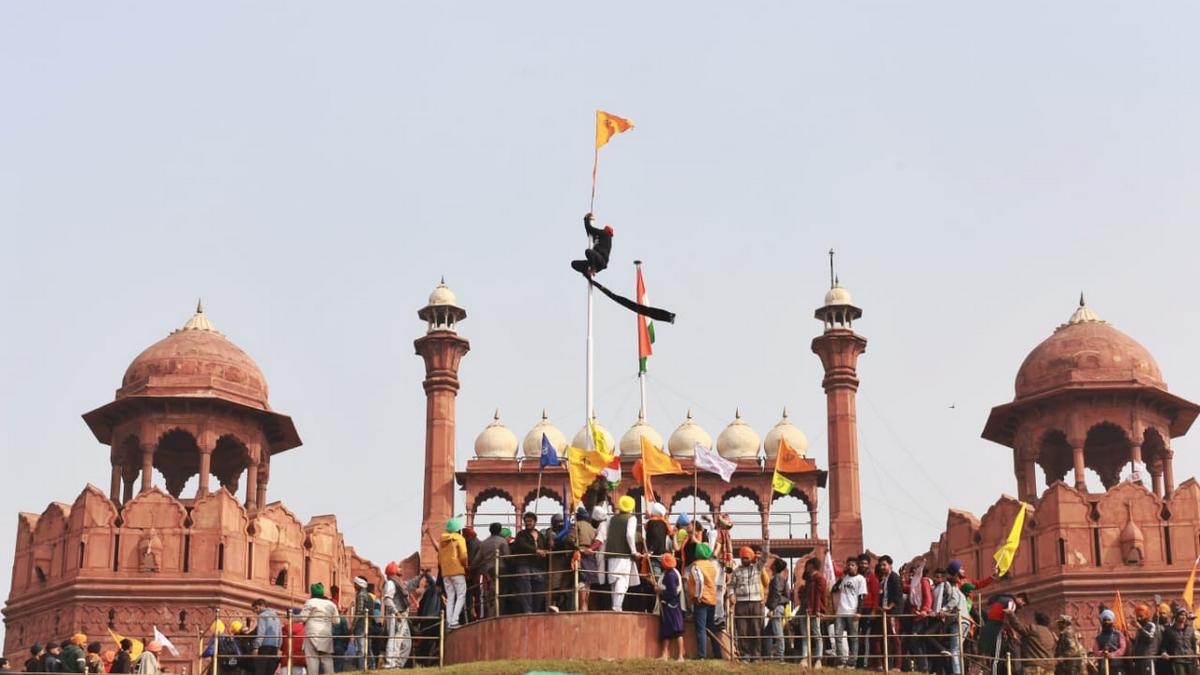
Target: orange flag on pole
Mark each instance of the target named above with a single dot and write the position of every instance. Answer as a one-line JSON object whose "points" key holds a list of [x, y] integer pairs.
{"points": [[788, 460], [1119, 610], [654, 462], [609, 125]]}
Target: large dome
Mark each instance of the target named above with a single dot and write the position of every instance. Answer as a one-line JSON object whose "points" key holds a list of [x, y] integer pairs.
{"points": [[683, 440], [533, 440], [631, 442], [738, 440], [198, 361], [496, 440], [1084, 351], [789, 432]]}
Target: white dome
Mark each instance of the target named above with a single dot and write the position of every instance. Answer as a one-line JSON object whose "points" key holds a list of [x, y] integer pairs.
{"points": [[631, 442], [533, 440], [838, 296], [496, 441], [683, 440], [581, 437], [789, 432], [442, 295], [738, 440]]}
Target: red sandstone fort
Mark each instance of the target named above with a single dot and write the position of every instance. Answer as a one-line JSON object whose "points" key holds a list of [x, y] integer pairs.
{"points": [[1089, 397]]}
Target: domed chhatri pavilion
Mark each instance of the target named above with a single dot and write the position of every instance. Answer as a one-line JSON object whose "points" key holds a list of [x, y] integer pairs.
{"points": [[192, 405], [1088, 399], [506, 469]]}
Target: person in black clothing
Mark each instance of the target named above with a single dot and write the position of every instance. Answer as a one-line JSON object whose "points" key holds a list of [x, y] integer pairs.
{"points": [[891, 602], [34, 663], [1179, 644], [50, 662], [530, 581], [595, 257], [121, 662]]}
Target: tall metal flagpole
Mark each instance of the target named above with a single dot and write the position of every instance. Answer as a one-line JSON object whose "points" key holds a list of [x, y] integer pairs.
{"points": [[588, 405], [638, 319]]}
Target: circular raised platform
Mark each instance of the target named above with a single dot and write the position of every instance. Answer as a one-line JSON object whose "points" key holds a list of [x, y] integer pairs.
{"points": [[561, 635]]}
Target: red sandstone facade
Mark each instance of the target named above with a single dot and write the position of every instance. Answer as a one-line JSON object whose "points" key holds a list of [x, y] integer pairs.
{"points": [[1088, 398], [192, 404]]}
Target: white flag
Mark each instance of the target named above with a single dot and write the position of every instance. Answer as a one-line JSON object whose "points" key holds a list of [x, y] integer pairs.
{"points": [[167, 644], [707, 459], [829, 575]]}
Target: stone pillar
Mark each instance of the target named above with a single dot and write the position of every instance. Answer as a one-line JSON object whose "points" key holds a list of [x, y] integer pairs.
{"points": [[205, 471], [813, 530], [129, 475], [252, 486], [442, 351], [1135, 453], [1156, 478], [1168, 473], [147, 469], [114, 491], [839, 349], [1080, 467], [264, 474]]}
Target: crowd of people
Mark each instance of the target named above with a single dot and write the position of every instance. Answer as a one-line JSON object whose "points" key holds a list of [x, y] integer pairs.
{"points": [[78, 655], [866, 613]]}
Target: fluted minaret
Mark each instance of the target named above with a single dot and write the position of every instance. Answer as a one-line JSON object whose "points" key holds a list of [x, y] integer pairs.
{"points": [[442, 348], [839, 348]]}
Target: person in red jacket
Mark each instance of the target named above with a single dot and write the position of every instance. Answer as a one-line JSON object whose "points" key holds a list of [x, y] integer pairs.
{"points": [[868, 625], [918, 588], [812, 602], [292, 652]]}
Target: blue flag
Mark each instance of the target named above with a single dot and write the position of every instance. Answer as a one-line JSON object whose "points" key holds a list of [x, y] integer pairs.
{"points": [[549, 454], [559, 536]]}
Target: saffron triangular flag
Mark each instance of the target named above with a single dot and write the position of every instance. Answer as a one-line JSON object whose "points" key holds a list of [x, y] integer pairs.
{"points": [[1190, 587], [609, 125], [707, 459], [549, 454], [656, 462], [782, 484], [645, 326], [1119, 610], [789, 460], [135, 651], [1005, 555]]}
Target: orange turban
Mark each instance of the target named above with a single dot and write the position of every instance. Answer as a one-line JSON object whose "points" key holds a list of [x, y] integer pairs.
{"points": [[668, 561]]}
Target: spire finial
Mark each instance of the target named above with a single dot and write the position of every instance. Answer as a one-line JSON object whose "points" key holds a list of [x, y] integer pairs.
{"points": [[737, 413], [496, 415], [1082, 303], [544, 415], [689, 415], [199, 306], [832, 276], [641, 414], [443, 281], [785, 412]]}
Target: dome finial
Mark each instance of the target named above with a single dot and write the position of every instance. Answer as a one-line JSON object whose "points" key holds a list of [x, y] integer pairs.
{"points": [[689, 414], [443, 281], [496, 415], [785, 412], [832, 276], [1082, 303], [198, 320], [737, 413], [199, 305], [544, 415]]}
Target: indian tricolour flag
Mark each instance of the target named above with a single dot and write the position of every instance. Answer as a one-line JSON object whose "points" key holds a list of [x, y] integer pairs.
{"points": [[645, 326]]}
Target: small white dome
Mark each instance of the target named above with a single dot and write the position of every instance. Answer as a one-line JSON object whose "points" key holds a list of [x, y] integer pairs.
{"points": [[790, 433], [1084, 314], [738, 440], [496, 441], [683, 440], [631, 442], [533, 440], [442, 295], [581, 437], [838, 296]]}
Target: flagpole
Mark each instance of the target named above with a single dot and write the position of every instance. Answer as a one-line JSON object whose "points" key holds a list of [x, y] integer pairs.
{"points": [[588, 402], [638, 319], [595, 165]]}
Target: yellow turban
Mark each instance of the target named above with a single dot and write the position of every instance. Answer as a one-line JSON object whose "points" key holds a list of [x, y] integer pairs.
{"points": [[626, 504]]}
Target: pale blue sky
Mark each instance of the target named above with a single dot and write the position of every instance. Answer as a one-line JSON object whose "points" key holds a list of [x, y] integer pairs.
{"points": [[312, 169]]}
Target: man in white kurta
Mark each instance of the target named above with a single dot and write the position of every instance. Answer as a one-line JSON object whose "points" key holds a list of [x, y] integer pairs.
{"points": [[620, 550], [319, 616]]}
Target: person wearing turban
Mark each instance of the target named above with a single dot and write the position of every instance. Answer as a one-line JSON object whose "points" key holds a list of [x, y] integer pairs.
{"points": [[1146, 637], [72, 657], [657, 537], [670, 616], [746, 591], [702, 589], [319, 616], [620, 550], [1109, 643], [453, 560]]}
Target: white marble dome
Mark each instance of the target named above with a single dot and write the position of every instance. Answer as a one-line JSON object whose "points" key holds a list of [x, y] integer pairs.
{"points": [[496, 441], [790, 433], [532, 445], [442, 295], [581, 437], [838, 296], [631, 442], [738, 440], [683, 440]]}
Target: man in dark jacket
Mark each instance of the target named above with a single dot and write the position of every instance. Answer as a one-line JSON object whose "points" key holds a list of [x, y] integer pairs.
{"points": [[122, 662], [72, 657], [483, 564], [1179, 644], [596, 256], [50, 660], [34, 663], [530, 572]]}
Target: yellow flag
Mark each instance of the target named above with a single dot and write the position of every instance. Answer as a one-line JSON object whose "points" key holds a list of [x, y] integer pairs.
{"points": [[608, 125], [135, 651], [1005, 554], [1189, 588], [583, 466], [599, 444], [781, 484]]}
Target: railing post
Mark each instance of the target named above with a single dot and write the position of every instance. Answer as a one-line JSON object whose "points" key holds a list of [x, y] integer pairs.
{"points": [[962, 659], [290, 642], [442, 643], [1106, 668], [216, 643], [1008, 663], [496, 586], [575, 587], [885, 641], [808, 644]]}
